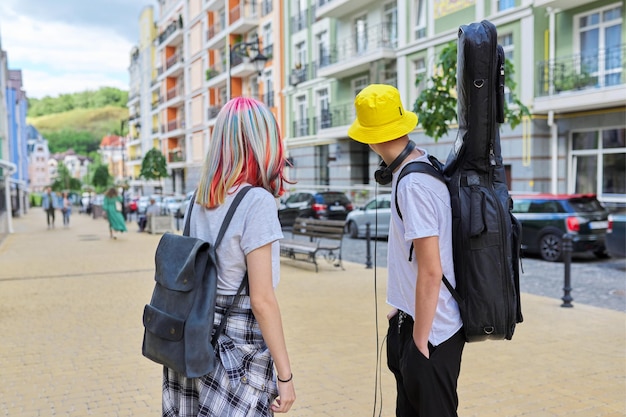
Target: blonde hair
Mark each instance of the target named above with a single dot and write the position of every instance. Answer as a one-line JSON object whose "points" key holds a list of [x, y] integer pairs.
{"points": [[245, 146]]}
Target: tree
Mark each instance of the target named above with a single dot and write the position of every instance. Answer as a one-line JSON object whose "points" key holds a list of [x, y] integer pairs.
{"points": [[65, 181], [436, 105], [101, 177], [154, 165]]}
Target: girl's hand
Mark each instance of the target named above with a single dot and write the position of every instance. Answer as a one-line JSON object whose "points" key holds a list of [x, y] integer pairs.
{"points": [[286, 397]]}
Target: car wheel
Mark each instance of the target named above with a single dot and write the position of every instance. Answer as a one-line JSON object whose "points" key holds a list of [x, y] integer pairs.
{"points": [[601, 254], [550, 247], [353, 230]]}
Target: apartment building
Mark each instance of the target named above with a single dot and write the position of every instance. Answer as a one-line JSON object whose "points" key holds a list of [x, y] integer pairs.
{"points": [[38, 157], [140, 138], [569, 61], [6, 166], [206, 52]]}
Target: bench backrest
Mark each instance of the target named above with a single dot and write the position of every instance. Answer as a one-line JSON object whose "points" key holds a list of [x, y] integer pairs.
{"points": [[328, 229]]}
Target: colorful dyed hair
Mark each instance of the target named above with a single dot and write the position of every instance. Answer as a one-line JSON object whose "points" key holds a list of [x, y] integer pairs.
{"points": [[245, 147]]}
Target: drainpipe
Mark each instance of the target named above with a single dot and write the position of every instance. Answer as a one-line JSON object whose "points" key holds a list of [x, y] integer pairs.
{"points": [[9, 168], [554, 149]]}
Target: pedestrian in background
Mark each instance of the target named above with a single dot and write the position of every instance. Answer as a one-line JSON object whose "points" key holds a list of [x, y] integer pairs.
{"points": [[112, 206], [66, 209], [253, 376], [49, 202], [425, 339]]}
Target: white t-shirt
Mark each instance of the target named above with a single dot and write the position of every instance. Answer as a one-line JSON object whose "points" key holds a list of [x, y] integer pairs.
{"points": [[424, 202], [254, 224]]}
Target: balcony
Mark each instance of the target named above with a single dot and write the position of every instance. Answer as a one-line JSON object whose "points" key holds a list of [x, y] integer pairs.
{"points": [[581, 82], [212, 111], [354, 55], [176, 155], [216, 36], [241, 67], [215, 77], [303, 73], [244, 17], [172, 35], [173, 128], [339, 8], [301, 128], [174, 96]]}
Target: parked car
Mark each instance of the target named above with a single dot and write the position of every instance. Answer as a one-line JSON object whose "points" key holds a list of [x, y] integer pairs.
{"points": [[144, 202], [616, 235], [376, 212], [184, 206], [327, 205], [545, 218], [171, 204]]}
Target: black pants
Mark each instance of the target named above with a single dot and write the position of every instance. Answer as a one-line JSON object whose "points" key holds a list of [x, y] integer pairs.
{"points": [[50, 216], [426, 386]]}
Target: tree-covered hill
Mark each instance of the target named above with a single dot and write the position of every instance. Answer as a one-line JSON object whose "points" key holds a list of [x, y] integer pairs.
{"points": [[79, 120]]}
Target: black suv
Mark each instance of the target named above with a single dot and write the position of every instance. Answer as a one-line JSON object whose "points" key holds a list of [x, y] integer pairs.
{"points": [[546, 218], [327, 205]]}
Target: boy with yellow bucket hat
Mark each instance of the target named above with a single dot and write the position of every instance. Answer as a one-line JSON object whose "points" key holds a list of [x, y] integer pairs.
{"points": [[424, 341]]}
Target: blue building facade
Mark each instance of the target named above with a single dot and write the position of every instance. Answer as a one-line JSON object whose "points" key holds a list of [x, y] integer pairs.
{"points": [[17, 106]]}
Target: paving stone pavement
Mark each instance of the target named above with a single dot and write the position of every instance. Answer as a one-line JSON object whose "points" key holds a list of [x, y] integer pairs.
{"points": [[70, 317]]}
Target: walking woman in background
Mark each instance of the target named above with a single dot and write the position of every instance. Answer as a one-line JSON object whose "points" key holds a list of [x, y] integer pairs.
{"points": [[253, 376], [110, 206], [66, 209]]}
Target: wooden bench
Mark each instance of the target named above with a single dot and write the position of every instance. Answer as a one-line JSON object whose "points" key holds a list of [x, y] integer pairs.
{"points": [[310, 236]]}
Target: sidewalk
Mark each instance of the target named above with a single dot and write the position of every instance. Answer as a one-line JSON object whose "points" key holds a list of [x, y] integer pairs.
{"points": [[71, 302]]}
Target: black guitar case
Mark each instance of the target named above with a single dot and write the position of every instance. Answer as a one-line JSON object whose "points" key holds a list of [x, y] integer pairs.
{"points": [[486, 235]]}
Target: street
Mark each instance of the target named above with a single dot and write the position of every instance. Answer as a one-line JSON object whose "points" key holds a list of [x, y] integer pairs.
{"points": [[596, 282]]}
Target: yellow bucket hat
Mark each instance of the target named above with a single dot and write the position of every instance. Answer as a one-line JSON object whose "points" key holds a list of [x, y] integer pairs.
{"points": [[380, 116]]}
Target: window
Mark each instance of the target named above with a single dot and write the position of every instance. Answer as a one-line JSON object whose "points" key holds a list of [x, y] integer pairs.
{"points": [[505, 4], [268, 83], [391, 74], [323, 52], [599, 163], [420, 19], [300, 56], [506, 41], [390, 29], [360, 34], [419, 70], [599, 37], [268, 41], [359, 84], [301, 123], [324, 107]]}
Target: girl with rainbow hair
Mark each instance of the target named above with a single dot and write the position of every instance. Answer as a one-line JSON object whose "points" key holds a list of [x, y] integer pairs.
{"points": [[253, 376]]}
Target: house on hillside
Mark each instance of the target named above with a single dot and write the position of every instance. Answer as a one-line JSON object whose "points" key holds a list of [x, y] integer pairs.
{"points": [[77, 165], [113, 152], [38, 155]]}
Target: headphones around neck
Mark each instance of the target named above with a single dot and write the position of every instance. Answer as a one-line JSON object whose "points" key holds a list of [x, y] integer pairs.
{"points": [[384, 174]]}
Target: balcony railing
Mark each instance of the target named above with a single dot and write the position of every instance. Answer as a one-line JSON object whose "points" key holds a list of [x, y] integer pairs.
{"points": [[339, 115], [172, 125], [214, 30], [302, 19], [378, 37], [212, 111], [302, 73], [171, 28], [582, 71], [301, 128], [173, 60], [244, 9], [176, 155]]}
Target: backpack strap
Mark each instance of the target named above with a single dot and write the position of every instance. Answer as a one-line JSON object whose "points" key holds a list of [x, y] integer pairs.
{"points": [[434, 170], [244, 282]]}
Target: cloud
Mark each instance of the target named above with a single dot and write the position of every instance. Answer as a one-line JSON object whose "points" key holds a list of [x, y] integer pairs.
{"points": [[68, 46]]}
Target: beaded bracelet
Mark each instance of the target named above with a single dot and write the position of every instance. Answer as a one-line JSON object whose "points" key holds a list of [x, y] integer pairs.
{"points": [[285, 380]]}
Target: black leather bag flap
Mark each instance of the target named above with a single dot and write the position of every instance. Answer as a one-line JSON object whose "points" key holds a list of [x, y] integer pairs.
{"points": [[162, 324], [180, 261]]}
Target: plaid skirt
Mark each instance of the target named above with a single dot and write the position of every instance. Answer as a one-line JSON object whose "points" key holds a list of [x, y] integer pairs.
{"points": [[242, 384]]}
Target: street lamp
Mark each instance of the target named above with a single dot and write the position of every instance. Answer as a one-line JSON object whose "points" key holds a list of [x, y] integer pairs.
{"points": [[244, 49]]}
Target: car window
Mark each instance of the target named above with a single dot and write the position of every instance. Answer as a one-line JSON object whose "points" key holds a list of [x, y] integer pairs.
{"points": [[371, 205], [330, 198], [545, 207], [585, 205], [521, 206], [384, 204]]}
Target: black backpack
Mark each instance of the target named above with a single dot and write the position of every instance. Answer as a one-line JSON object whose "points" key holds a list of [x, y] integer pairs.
{"points": [[178, 321], [485, 234]]}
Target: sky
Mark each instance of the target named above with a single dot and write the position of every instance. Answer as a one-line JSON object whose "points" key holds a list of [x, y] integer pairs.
{"points": [[68, 46]]}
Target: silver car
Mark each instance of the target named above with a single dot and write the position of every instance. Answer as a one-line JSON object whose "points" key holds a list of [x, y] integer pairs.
{"points": [[376, 212]]}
